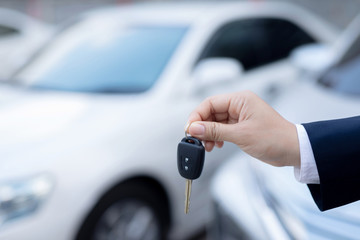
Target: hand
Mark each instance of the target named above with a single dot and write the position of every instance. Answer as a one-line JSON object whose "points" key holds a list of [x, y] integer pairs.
{"points": [[247, 121]]}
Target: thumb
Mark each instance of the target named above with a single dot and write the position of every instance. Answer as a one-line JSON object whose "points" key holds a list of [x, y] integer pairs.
{"points": [[212, 131]]}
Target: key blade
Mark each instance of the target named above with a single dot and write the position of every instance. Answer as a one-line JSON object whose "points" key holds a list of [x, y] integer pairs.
{"points": [[187, 195]]}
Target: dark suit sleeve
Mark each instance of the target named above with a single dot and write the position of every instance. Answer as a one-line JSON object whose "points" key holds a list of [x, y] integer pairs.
{"points": [[336, 147]]}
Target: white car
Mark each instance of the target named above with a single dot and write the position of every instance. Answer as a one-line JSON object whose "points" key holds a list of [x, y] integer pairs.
{"points": [[89, 128], [257, 201], [20, 37]]}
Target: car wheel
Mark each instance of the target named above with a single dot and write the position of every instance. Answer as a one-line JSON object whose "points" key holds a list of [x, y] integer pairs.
{"points": [[131, 212]]}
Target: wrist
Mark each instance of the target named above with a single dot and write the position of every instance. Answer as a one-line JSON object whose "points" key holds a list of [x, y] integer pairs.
{"points": [[292, 155]]}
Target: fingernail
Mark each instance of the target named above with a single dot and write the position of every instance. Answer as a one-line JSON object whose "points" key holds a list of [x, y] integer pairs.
{"points": [[186, 128], [197, 129]]}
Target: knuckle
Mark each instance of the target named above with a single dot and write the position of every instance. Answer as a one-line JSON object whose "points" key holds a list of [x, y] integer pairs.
{"points": [[215, 133], [208, 99]]}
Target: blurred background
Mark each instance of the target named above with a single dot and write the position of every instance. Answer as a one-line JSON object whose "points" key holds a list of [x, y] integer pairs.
{"points": [[337, 12], [94, 95]]}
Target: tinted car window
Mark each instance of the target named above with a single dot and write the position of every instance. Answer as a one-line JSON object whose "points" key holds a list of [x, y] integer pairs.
{"points": [[344, 78], [255, 42], [6, 31]]}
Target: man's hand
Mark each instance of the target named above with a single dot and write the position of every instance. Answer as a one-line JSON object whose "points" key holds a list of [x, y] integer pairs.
{"points": [[246, 120]]}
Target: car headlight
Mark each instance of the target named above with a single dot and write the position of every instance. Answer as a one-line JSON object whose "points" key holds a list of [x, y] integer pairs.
{"points": [[20, 198]]}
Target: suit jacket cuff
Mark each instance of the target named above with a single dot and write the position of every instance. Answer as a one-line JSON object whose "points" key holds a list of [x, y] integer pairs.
{"points": [[307, 172], [336, 148]]}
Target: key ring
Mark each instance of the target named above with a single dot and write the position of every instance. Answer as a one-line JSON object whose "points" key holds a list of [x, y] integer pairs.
{"points": [[187, 129]]}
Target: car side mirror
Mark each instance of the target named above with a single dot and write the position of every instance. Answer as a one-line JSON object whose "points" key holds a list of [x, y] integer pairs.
{"points": [[313, 59], [214, 71]]}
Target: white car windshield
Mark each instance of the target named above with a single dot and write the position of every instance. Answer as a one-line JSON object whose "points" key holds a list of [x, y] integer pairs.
{"points": [[94, 57]]}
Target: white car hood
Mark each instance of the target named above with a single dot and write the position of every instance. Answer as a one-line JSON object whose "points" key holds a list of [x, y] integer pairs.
{"points": [[306, 102], [37, 127], [37, 118]]}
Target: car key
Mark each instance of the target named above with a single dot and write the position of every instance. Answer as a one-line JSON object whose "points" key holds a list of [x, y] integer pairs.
{"points": [[190, 160]]}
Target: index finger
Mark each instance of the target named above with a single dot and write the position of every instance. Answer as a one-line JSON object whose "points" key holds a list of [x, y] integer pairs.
{"points": [[210, 107]]}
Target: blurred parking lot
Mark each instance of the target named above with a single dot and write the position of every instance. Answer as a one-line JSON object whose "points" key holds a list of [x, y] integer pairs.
{"points": [[94, 96]]}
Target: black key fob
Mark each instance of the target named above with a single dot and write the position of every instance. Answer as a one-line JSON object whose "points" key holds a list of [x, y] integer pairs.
{"points": [[190, 158]]}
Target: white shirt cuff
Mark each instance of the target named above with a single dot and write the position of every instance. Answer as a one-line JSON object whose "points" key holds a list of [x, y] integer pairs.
{"points": [[307, 173]]}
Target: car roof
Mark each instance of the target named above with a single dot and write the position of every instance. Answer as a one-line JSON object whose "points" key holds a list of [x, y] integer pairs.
{"points": [[191, 12]]}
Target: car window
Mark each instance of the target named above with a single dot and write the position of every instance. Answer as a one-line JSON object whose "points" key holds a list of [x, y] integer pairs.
{"points": [[103, 58], [7, 31], [255, 42], [344, 78], [344, 75]]}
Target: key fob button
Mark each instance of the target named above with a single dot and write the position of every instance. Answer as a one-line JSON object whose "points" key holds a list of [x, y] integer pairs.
{"points": [[190, 161], [191, 154]]}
